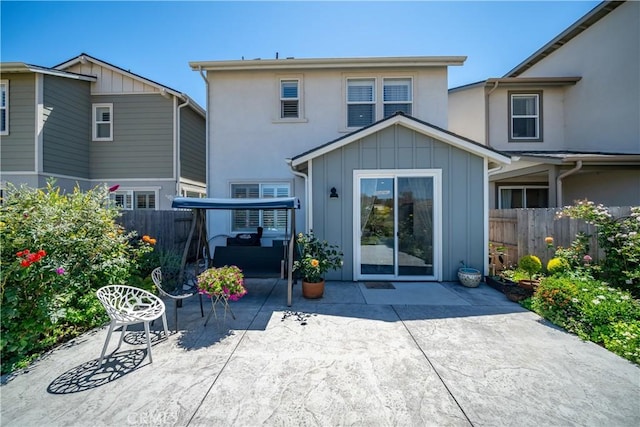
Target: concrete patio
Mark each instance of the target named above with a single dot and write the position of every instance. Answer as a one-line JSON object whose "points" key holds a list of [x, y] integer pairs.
{"points": [[423, 354]]}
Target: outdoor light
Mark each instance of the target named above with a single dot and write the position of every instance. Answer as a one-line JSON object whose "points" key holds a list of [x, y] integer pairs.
{"points": [[334, 193]]}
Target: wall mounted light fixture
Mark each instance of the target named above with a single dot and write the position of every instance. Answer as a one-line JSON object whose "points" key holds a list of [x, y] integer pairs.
{"points": [[334, 193]]}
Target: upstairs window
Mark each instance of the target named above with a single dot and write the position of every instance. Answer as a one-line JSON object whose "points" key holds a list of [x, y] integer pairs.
{"points": [[361, 102], [396, 96], [4, 107], [289, 99], [249, 220], [525, 117], [103, 122]]}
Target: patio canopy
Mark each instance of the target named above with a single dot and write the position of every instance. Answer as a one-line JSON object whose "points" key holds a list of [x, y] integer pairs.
{"points": [[272, 203], [199, 206]]}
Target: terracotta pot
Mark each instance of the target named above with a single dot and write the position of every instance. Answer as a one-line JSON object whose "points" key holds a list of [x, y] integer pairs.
{"points": [[312, 290]]}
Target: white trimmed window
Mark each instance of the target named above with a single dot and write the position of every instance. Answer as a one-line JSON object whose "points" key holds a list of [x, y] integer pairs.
{"points": [[4, 107], [249, 220], [130, 199], [290, 99], [523, 196], [103, 122], [361, 102], [397, 96], [525, 117]]}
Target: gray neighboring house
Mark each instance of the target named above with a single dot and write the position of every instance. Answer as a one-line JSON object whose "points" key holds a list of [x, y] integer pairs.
{"points": [[86, 122], [568, 115]]}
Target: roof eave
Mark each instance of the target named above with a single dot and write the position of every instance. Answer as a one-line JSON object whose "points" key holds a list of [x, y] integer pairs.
{"points": [[21, 67], [593, 16], [533, 81], [328, 63]]}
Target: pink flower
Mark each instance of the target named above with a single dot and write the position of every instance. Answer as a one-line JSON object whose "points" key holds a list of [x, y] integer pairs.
{"points": [[587, 259], [60, 271]]}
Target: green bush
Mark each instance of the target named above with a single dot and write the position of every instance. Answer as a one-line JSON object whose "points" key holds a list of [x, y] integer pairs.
{"points": [[530, 264], [556, 300], [557, 266], [592, 310], [57, 249], [624, 340]]}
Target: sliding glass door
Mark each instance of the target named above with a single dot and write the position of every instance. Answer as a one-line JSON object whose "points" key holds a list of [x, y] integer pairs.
{"points": [[397, 225]]}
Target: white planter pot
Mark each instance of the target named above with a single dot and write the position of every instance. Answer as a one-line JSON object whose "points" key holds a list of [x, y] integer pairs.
{"points": [[469, 277]]}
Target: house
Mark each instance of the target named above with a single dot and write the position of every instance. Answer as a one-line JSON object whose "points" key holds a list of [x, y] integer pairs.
{"points": [[363, 143], [568, 115], [86, 122]]}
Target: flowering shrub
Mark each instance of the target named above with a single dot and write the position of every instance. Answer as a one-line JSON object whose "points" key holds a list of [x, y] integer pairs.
{"points": [[57, 249], [316, 258], [226, 282], [594, 311], [618, 238]]}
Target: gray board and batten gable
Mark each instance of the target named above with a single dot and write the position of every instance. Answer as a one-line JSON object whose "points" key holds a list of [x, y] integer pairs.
{"points": [[399, 142]]}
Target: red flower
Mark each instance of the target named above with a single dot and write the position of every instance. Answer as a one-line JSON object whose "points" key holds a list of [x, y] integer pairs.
{"points": [[25, 263], [41, 253], [19, 254]]}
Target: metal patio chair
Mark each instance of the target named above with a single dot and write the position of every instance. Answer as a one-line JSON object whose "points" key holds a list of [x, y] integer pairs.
{"points": [[169, 284], [127, 305]]}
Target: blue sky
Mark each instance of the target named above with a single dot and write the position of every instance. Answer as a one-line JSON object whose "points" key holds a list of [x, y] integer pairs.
{"points": [[157, 39]]}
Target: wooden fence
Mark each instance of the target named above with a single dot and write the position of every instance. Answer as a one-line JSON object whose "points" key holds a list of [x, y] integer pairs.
{"points": [[523, 232], [169, 228]]}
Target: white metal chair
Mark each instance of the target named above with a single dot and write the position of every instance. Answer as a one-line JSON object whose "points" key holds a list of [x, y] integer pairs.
{"points": [[127, 305], [170, 284]]}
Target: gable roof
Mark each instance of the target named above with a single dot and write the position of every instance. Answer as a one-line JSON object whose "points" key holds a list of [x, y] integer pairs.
{"points": [[563, 38], [21, 67], [83, 58], [399, 118]]}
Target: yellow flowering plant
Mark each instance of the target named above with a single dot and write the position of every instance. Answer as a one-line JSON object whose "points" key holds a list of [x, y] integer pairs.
{"points": [[316, 257]]}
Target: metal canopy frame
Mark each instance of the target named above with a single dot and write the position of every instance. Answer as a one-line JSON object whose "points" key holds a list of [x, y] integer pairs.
{"points": [[200, 206]]}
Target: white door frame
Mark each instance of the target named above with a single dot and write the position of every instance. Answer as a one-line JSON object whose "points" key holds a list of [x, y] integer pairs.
{"points": [[436, 174]]}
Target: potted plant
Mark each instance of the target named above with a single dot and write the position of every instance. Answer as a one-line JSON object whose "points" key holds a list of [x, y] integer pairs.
{"points": [[223, 282], [316, 258], [531, 265]]}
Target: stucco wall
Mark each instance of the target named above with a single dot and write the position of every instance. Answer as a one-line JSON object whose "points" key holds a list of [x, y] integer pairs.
{"points": [[602, 109], [248, 142], [467, 113], [553, 120]]}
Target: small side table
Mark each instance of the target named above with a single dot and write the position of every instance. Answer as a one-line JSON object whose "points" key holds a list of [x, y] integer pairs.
{"points": [[222, 300]]}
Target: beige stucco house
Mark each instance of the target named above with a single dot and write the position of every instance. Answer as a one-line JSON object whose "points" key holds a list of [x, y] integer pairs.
{"points": [[568, 115]]}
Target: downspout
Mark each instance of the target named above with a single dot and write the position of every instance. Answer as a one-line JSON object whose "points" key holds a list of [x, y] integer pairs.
{"points": [[559, 182], [207, 127], [307, 197], [486, 114], [178, 143]]}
